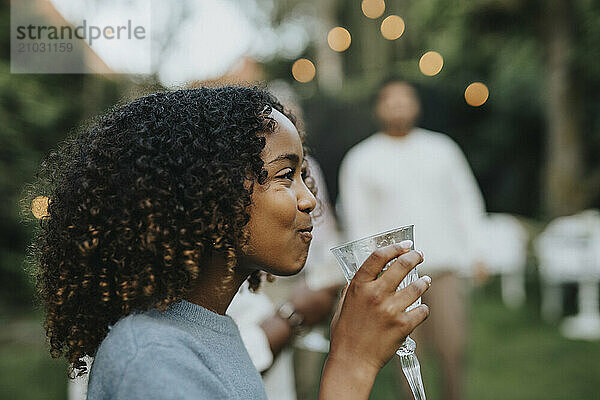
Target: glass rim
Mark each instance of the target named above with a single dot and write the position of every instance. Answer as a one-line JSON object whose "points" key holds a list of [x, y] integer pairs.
{"points": [[400, 228]]}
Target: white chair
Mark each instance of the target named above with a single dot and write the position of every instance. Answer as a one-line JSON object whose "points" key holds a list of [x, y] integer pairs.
{"points": [[568, 251], [506, 255]]}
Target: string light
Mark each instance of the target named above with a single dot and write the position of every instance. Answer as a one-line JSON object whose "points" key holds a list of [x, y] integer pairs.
{"points": [[392, 27], [303, 70], [39, 206], [476, 94], [339, 39], [373, 8], [431, 63]]}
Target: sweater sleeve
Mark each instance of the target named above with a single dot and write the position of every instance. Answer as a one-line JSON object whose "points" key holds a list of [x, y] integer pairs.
{"points": [[164, 372]]}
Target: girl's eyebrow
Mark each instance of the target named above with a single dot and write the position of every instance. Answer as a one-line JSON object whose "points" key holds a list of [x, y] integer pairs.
{"points": [[294, 158]]}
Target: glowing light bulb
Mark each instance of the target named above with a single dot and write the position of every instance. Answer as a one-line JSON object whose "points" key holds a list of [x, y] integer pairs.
{"points": [[392, 27], [431, 63], [303, 70], [476, 94], [39, 206], [339, 39], [373, 8]]}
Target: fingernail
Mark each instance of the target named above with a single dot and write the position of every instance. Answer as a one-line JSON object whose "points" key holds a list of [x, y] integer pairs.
{"points": [[421, 253], [406, 244], [427, 279]]}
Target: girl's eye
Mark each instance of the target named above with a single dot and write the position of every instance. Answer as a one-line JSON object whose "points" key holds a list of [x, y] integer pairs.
{"points": [[289, 174]]}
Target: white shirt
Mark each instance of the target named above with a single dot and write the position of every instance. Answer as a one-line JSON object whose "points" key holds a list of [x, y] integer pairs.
{"points": [[423, 179], [322, 269]]}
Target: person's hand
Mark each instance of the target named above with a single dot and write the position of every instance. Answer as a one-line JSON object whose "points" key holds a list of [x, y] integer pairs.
{"points": [[314, 305], [371, 323]]}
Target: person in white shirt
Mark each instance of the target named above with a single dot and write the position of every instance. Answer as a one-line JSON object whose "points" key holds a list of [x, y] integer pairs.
{"points": [[408, 175]]}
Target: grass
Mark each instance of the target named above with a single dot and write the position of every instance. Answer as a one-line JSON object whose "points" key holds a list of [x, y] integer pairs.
{"points": [[512, 354], [26, 369]]}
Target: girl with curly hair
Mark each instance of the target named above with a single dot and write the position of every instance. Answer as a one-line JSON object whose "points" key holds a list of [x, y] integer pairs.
{"points": [[157, 213]]}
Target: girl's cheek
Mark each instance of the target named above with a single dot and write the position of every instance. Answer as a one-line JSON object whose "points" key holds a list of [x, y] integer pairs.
{"points": [[287, 203]]}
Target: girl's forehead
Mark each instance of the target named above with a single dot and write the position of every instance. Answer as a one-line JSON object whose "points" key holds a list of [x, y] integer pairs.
{"points": [[283, 122], [284, 140]]}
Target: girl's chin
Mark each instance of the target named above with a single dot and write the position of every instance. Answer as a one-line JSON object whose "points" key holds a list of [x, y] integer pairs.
{"points": [[285, 271]]}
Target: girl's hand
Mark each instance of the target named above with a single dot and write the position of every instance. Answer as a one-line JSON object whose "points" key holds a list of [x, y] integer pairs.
{"points": [[370, 324]]}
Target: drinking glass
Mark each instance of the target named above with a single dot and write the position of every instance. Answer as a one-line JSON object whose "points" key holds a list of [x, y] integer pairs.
{"points": [[353, 254]]}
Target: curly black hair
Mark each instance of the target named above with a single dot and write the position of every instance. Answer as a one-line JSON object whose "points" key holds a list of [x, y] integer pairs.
{"points": [[138, 200]]}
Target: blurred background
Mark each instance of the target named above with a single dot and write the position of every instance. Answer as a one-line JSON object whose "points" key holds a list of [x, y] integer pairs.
{"points": [[516, 83]]}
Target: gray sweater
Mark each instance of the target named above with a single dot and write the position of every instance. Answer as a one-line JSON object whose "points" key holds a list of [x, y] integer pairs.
{"points": [[186, 352]]}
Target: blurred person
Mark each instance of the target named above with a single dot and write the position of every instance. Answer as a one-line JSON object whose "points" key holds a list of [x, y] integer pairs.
{"points": [[158, 213], [409, 175]]}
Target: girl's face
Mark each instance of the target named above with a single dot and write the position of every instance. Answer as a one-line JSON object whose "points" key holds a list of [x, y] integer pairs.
{"points": [[280, 221]]}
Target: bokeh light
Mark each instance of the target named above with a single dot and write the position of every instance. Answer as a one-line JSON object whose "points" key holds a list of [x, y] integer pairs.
{"points": [[392, 27], [339, 38], [303, 70], [431, 63], [39, 206], [373, 8], [476, 94]]}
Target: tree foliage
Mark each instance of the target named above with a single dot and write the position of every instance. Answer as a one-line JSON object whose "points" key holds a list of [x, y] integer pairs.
{"points": [[36, 112], [503, 43]]}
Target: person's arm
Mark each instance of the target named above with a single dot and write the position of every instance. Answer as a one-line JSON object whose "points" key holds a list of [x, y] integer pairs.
{"points": [[312, 305], [264, 332], [278, 332], [340, 382], [370, 324]]}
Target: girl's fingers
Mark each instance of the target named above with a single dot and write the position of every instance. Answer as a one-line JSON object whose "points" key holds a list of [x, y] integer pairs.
{"points": [[415, 316], [398, 270], [373, 265], [412, 292]]}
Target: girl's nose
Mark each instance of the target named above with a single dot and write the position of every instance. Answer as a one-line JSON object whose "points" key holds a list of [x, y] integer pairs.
{"points": [[306, 199]]}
